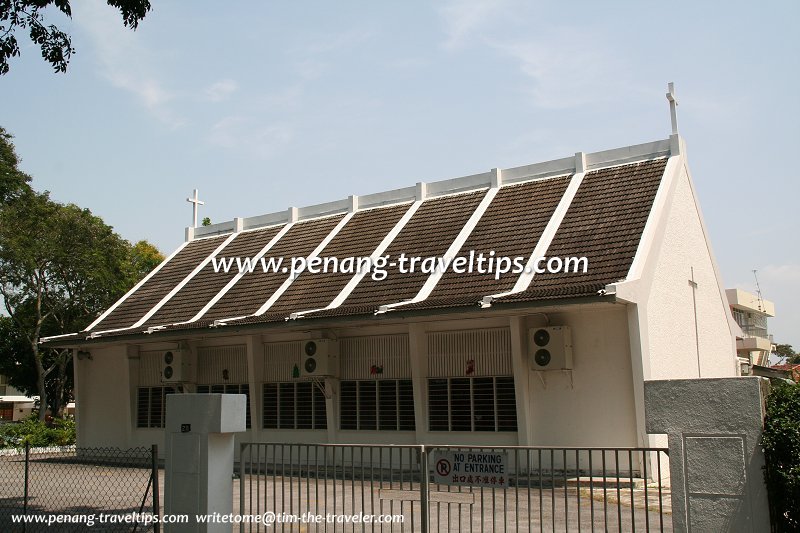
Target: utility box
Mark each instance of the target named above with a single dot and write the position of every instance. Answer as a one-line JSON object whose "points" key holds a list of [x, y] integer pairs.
{"points": [[198, 466]]}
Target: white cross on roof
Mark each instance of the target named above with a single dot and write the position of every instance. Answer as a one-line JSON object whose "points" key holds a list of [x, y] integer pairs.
{"points": [[196, 202]]}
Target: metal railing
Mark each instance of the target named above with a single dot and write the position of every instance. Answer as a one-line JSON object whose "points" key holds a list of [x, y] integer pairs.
{"points": [[341, 487]]}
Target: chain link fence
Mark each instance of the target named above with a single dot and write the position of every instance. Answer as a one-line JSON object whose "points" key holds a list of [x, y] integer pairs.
{"points": [[72, 489]]}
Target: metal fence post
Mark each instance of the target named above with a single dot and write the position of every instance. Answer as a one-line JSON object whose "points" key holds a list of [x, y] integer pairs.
{"points": [[27, 463], [424, 487], [242, 448], [156, 502]]}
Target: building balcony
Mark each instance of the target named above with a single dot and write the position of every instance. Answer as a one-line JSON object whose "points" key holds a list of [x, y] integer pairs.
{"points": [[747, 301], [753, 344]]}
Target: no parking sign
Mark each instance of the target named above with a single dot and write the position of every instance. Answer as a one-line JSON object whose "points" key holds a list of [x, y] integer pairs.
{"points": [[471, 468]]}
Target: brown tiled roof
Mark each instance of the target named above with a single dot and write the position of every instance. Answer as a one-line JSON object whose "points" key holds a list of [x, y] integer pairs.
{"points": [[253, 290], [359, 238], [149, 294], [434, 227], [207, 283], [510, 227], [604, 223]]}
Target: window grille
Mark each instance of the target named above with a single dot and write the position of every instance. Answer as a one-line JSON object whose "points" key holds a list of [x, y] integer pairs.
{"points": [[293, 405], [386, 405], [472, 404]]}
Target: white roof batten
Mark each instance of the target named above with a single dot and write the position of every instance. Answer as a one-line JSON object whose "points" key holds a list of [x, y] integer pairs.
{"points": [[136, 287], [278, 293], [183, 282], [455, 246], [540, 250], [379, 251], [278, 236]]}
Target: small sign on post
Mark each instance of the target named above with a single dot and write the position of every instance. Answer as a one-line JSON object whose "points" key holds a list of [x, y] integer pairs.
{"points": [[471, 468]]}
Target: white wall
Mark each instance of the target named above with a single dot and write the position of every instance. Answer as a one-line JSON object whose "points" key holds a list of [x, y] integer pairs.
{"points": [[590, 406], [103, 402], [595, 407], [674, 338]]}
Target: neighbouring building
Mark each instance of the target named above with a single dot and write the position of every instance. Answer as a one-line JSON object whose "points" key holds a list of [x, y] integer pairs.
{"points": [[750, 312], [529, 356], [14, 405], [792, 371]]}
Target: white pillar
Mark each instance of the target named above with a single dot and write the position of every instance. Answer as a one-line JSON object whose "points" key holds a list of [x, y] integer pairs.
{"points": [[198, 473]]}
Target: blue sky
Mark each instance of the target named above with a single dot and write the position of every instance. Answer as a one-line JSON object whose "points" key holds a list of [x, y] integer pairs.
{"points": [[265, 105]]}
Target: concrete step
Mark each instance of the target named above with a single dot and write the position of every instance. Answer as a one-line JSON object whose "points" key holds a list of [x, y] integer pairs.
{"points": [[610, 483]]}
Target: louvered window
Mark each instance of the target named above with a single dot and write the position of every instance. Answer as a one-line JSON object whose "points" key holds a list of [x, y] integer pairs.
{"points": [[386, 404], [151, 406], [228, 388], [293, 405], [472, 404]]}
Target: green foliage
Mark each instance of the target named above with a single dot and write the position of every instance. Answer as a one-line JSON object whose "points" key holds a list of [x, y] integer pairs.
{"points": [[60, 267], [16, 358], [143, 258], [13, 181], [781, 442], [38, 434], [56, 46], [206, 221], [786, 352]]}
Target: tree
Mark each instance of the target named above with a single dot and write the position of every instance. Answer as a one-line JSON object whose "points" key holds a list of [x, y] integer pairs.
{"points": [[60, 266], [56, 46], [781, 443], [787, 353], [13, 182], [16, 362], [142, 258]]}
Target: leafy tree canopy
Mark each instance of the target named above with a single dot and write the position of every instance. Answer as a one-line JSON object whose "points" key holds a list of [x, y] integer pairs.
{"points": [[787, 353], [56, 46], [13, 181], [142, 258], [60, 266]]}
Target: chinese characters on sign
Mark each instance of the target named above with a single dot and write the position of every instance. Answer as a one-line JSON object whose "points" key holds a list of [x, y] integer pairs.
{"points": [[472, 468]]}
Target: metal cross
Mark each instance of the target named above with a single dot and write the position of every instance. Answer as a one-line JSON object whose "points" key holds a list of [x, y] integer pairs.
{"points": [[195, 201], [673, 107], [693, 285]]}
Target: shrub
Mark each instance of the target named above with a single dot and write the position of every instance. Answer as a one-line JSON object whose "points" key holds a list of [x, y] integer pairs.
{"points": [[781, 441], [37, 434]]}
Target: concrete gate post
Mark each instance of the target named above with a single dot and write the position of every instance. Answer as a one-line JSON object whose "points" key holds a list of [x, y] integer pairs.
{"points": [[199, 457], [716, 462]]}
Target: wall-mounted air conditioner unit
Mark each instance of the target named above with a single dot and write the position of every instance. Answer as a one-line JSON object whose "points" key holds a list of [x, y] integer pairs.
{"points": [[177, 366], [319, 358], [550, 348]]}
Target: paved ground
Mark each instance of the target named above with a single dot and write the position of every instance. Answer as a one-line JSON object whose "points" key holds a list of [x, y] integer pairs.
{"points": [[57, 486], [511, 510]]}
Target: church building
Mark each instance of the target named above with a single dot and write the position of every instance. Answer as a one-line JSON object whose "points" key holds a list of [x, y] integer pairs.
{"points": [[519, 306]]}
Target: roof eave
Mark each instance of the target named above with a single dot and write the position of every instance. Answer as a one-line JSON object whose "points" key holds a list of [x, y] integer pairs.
{"points": [[412, 315]]}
